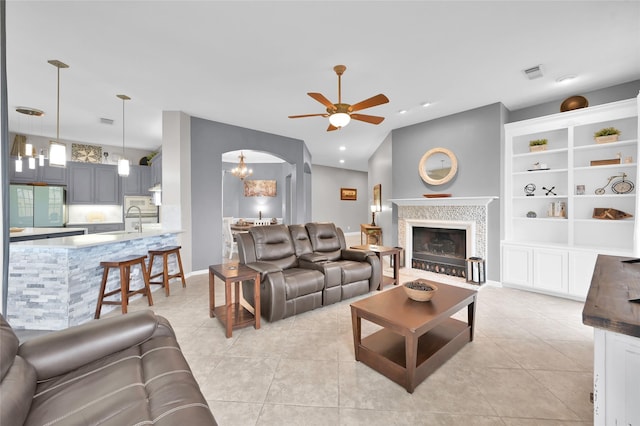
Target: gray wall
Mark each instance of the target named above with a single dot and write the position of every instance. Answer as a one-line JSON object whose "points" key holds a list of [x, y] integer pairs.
{"points": [[475, 137], [325, 195], [209, 140], [380, 173], [235, 204], [595, 97]]}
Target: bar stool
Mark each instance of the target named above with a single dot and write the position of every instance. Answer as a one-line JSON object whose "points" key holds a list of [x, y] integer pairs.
{"points": [[165, 252], [124, 265]]}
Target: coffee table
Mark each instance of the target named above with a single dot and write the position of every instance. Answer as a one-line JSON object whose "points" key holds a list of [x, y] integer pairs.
{"points": [[381, 251], [417, 337]]}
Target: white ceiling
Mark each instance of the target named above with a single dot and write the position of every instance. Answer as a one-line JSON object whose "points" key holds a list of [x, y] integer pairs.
{"points": [[251, 64]]}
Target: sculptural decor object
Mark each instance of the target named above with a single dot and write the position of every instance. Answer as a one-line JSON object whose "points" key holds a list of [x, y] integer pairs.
{"points": [[610, 214]]}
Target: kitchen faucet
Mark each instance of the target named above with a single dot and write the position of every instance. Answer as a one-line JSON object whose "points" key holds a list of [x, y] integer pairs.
{"points": [[139, 216]]}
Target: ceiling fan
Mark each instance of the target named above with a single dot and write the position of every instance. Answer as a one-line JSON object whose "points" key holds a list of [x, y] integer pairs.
{"points": [[340, 114]]}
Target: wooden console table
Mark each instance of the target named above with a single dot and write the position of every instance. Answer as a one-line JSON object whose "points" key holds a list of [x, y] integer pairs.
{"points": [[370, 234], [418, 337], [381, 251], [237, 313]]}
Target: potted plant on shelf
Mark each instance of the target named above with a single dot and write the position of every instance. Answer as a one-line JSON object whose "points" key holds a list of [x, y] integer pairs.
{"points": [[538, 145], [606, 135]]}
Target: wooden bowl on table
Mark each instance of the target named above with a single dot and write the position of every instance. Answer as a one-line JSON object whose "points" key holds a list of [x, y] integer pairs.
{"points": [[420, 290]]}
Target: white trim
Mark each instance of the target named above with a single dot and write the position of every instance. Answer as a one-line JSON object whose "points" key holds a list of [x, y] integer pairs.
{"points": [[468, 225], [444, 201]]}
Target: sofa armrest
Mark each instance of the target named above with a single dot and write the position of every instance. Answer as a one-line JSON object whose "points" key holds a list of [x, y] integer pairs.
{"points": [[62, 351], [356, 255], [313, 257], [264, 268]]}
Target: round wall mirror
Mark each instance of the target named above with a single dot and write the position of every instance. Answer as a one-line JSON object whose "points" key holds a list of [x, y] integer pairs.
{"points": [[438, 166]]}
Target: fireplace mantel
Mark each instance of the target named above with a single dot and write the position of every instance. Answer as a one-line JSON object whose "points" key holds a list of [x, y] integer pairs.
{"points": [[444, 201]]}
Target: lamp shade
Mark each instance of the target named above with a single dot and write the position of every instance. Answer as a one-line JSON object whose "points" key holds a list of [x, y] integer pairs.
{"points": [[57, 154], [123, 167], [339, 119]]}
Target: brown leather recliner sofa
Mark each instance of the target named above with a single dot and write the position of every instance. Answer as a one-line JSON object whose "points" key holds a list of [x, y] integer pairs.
{"points": [[125, 370], [303, 267]]}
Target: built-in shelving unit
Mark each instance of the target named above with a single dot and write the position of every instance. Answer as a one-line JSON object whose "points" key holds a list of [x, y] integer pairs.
{"points": [[556, 252]]}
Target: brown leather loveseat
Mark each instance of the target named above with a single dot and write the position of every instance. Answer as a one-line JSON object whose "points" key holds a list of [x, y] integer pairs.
{"points": [[303, 267], [125, 370]]}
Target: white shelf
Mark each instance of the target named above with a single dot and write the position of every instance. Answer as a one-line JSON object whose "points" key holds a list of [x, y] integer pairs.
{"points": [[557, 255]]}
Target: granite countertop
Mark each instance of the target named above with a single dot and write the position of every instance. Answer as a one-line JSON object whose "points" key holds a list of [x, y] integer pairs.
{"points": [[89, 240], [44, 231]]}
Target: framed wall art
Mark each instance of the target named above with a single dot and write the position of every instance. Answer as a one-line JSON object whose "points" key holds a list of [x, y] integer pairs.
{"points": [[349, 194], [86, 153], [260, 188], [377, 197]]}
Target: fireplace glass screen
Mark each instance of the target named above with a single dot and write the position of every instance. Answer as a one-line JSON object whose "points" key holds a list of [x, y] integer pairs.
{"points": [[439, 250]]}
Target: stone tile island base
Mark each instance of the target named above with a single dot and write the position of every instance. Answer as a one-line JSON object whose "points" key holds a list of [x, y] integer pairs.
{"points": [[54, 283]]}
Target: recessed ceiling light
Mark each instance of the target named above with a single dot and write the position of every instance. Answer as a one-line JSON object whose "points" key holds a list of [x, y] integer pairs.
{"points": [[425, 104], [342, 148], [341, 161], [402, 111], [566, 78]]}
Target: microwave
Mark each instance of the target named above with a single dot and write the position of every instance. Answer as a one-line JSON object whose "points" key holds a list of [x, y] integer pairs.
{"points": [[144, 203]]}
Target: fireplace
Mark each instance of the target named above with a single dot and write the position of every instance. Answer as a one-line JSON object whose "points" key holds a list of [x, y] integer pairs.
{"points": [[466, 214], [441, 250], [440, 246]]}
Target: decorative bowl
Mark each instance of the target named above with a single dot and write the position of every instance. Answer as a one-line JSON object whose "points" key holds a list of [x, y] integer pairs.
{"points": [[420, 290]]}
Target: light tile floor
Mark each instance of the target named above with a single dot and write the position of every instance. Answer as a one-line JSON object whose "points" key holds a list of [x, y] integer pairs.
{"points": [[530, 364]]}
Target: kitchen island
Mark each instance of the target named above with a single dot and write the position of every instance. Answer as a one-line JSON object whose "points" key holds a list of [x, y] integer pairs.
{"points": [[54, 283], [613, 309]]}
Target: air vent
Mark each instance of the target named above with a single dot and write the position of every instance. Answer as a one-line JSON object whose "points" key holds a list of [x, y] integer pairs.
{"points": [[533, 72], [106, 121]]}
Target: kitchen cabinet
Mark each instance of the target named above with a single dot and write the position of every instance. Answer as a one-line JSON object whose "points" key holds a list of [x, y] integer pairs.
{"points": [[51, 175], [93, 184], [156, 169], [138, 182], [551, 197]]}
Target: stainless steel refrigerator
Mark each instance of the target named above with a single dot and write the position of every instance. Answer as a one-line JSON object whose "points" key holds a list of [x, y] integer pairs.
{"points": [[37, 206]]}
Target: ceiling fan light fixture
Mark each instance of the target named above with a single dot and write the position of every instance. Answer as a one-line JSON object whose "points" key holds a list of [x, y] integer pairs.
{"points": [[339, 119]]}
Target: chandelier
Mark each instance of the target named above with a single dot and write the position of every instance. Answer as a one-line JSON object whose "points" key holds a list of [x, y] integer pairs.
{"points": [[241, 170]]}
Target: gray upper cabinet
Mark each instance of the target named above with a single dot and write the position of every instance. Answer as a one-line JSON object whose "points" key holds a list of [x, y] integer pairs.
{"points": [[93, 184], [156, 169], [138, 182], [48, 174]]}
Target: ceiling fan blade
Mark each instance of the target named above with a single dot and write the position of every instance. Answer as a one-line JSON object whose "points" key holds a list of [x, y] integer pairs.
{"points": [[371, 102], [320, 98], [331, 127], [373, 119], [308, 115]]}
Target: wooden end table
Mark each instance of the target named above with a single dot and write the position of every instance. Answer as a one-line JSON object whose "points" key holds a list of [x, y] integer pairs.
{"points": [[237, 313], [381, 251], [418, 337]]}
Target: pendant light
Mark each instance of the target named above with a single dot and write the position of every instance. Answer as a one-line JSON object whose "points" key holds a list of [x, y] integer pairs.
{"points": [[57, 150], [123, 163]]}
